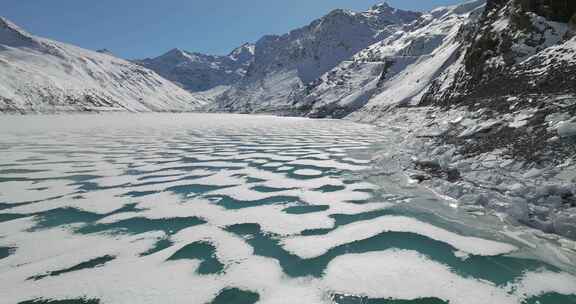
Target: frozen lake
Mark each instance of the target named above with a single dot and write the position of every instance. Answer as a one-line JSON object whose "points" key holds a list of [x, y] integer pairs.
{"points": [[233, 209]]}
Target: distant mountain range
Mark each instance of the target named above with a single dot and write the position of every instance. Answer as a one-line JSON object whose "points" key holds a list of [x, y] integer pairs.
{"points": [[199, 72]]}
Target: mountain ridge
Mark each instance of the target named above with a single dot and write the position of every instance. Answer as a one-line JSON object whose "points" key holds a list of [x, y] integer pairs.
{"points": [[286, 62], [198, 72]]}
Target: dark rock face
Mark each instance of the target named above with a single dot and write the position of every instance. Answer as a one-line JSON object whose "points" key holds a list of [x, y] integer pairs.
{"points": [[554, 10], [492, 5], [571, 27]]}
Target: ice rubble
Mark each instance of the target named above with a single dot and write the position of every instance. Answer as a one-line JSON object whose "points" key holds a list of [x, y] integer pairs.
{"points": [[462, 149], [486, 182], [567, 128]]}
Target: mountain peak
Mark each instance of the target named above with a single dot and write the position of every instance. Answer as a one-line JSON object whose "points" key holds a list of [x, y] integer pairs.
{"points": [[7, 25], [385, 11], [243, 53], [248, 45], [177, 52], [381, 6], [11, 34], [198, 72], [340, 12], [105, 51], [178, 55]]}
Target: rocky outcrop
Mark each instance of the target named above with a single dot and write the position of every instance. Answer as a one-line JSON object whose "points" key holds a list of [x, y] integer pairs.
{"points": [[553, 10]]}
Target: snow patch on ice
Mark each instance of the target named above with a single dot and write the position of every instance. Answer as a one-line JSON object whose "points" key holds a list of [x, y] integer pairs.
{"points": [[313, 246]]}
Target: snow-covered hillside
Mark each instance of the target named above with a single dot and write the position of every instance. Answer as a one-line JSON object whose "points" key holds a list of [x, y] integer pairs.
{"points": [[284, 64], [199, 72], [38, 75]]}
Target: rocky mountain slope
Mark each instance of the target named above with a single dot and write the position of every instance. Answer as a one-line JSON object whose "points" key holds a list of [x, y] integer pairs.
{"points": [[38, 75], [199, 72], [512, 43]]}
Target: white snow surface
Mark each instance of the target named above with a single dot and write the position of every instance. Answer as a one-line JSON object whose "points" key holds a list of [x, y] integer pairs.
{"points": [[408, 275], [313, 246]]}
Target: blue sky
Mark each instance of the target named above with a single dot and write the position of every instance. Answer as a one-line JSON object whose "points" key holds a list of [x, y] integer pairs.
{"points": [[144, 28]]}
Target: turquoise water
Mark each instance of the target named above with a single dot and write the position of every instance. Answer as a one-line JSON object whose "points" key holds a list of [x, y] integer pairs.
{"points": [[239, 209]]}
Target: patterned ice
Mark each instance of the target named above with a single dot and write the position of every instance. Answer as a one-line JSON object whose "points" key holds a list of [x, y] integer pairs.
{"points": [[215, 208]]}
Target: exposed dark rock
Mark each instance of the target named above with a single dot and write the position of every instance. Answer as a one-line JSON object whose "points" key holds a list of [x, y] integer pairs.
{"points": [[554, 10], [436, 170]]}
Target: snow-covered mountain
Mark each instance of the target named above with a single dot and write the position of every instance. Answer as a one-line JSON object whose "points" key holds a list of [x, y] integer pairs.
{"points": [[38, 75], [197, 72], [396, 70], [285, 63]]}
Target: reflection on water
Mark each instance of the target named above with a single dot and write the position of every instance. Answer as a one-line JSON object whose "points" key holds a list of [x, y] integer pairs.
{"points": [[233, 209]]}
